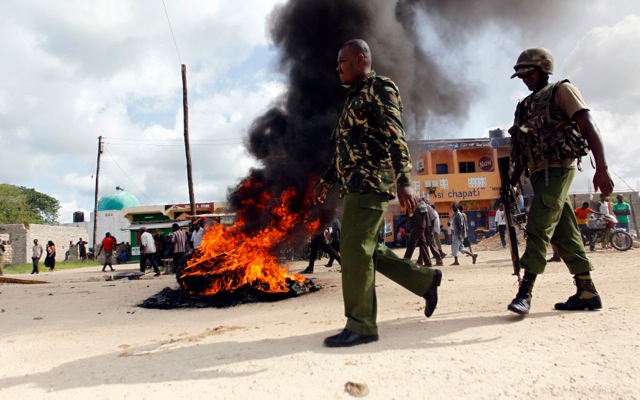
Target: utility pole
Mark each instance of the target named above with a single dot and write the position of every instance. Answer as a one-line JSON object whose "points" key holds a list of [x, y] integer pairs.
{"points": [[187, 149], [95, 200]]}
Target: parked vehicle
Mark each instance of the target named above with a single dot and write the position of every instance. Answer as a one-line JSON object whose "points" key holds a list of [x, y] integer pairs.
{"points": [[600, 226]]}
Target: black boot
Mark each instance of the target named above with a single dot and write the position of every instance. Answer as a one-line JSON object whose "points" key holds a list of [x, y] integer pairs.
{"points": [[586, 298], [522, 303], [431, 294]]}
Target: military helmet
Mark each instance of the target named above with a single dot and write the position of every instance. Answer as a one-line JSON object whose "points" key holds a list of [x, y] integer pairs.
{"points": [[534, 57]]}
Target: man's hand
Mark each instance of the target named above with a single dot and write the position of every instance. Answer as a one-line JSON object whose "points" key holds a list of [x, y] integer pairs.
{"points": [[602, 181], [319, 194], [408, 199]]}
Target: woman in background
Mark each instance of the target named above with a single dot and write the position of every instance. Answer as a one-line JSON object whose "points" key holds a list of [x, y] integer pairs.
{"points": [[50, 259]]}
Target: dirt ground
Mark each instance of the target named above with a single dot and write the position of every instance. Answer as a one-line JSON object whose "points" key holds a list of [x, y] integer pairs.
{"points": [[80, 336]]}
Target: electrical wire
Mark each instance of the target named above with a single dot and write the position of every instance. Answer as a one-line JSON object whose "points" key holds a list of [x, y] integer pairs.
{"points": [[169, 140], [171, 29], [130, 180], [173, 145]]}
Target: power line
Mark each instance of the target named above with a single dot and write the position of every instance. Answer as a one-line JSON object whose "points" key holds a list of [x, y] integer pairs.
{"points": [[125, 174], [172, 140], [623, 181], [173, 145], [171, 29]]}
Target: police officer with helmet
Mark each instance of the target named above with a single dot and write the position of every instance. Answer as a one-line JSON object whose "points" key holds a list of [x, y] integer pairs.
{"points": [[553, 128]]}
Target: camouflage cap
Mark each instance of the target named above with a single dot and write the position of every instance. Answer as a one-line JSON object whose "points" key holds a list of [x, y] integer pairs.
{"points": [[534, 57]]}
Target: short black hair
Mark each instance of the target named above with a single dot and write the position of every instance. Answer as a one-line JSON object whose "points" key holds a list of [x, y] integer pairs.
{"points": [[359, 46]]}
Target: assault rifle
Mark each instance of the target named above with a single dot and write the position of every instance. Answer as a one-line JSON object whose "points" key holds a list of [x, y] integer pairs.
{"points": [[512, 214]]}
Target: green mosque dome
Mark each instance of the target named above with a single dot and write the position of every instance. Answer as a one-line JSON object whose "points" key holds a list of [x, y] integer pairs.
{"points": [[117, 201]]}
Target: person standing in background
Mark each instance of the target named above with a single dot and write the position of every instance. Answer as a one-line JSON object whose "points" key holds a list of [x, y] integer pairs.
{"points": [[429, 236], [178, 248], [36, 254], [437, 228], [457, 234], [582, 216], [417, 226], [148, 252], [2, 250], [605, 205], [335, 241], [50, 259], [82, 249], [198, 233], [108, 245], [622, 210], [319, 243], [501, 223], [465, 240]]}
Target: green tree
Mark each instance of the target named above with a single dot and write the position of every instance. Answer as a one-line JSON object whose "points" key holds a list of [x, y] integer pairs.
{"points": [[20, 205]]}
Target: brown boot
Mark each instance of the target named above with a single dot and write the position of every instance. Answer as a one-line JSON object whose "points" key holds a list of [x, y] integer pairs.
{"points": [[586, 297]]}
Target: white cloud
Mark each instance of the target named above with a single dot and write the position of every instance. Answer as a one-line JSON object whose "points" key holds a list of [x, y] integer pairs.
{"points": [[605, 62], [89, 68], [84, 69]]}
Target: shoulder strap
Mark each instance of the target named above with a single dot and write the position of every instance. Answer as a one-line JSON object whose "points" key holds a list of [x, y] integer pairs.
{"points": [[552, 94]]}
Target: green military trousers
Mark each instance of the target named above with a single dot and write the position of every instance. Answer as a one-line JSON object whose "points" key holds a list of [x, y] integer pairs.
{"points": [[552, 219], [362, 255]]}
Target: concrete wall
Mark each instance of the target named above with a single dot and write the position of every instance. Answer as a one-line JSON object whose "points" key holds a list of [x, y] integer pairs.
{"points": [[109, 221], [21, 240]]}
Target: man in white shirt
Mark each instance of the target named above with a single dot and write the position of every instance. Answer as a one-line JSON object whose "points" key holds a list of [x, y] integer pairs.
{"points": [[436, 230], [35, 256], [148, 252], [501, 222], [196, 236], [605, 206]]}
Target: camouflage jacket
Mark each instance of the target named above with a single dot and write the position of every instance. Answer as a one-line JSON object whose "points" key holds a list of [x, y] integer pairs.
{"points": [[541, 133], [371, 151]]}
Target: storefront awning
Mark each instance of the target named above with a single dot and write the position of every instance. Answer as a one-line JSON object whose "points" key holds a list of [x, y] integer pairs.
{"points": [[157, 225]]}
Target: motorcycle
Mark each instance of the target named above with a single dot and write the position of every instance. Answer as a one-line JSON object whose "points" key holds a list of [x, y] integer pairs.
{"points": [[601, 226]]}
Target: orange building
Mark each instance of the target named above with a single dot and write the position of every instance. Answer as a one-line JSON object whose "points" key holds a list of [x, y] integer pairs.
{"points": [[464, 171]]}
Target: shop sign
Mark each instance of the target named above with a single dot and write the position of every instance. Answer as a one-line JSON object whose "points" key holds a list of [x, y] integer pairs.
{"points": [[485, 163]]}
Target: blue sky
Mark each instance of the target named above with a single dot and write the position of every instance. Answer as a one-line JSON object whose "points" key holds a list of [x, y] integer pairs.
{"points": [[75, 70]]}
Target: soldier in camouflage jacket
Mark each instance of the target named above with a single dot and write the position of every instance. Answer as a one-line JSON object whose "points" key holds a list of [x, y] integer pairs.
{"points": [[372, 166], [548, 137]]}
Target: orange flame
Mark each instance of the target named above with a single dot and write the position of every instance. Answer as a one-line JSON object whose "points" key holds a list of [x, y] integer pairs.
{"points": [[229, 259]]}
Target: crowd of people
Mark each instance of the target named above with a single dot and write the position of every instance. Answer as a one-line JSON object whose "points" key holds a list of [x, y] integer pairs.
{"points": [[176, 246]]}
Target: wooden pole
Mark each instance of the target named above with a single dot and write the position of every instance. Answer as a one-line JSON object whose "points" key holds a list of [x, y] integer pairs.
{"points": [[187, 148], [95, 199]]}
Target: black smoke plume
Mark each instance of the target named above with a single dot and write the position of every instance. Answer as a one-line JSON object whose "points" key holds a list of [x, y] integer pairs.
{"points": [[292, 139]]}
